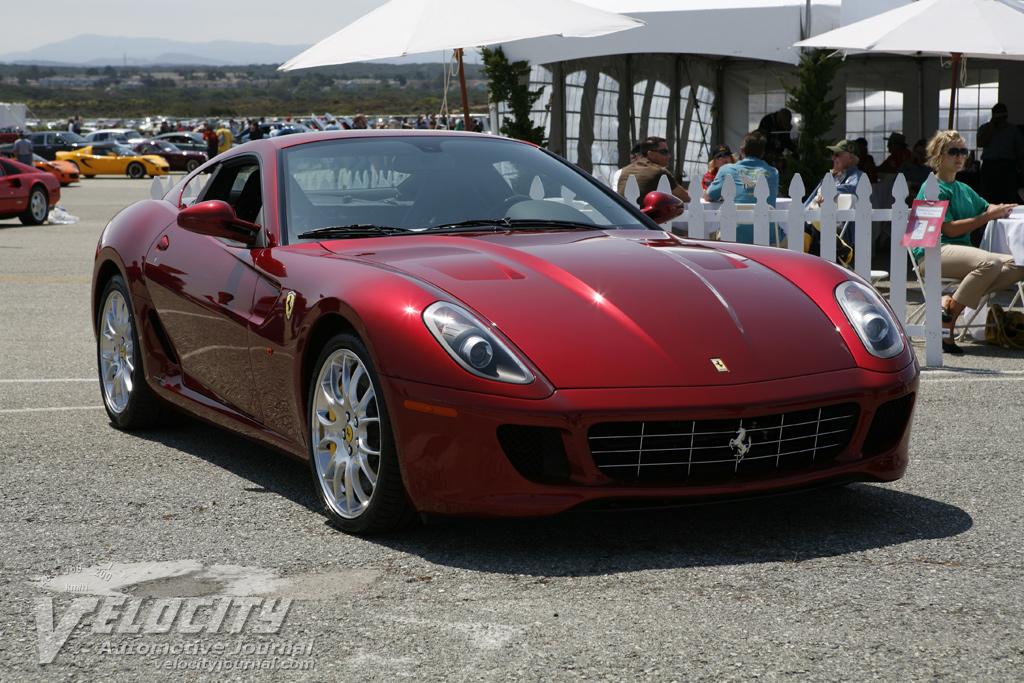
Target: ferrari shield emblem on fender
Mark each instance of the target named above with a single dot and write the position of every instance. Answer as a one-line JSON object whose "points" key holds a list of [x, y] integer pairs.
{"points": [[719, 365], [289, 305]]}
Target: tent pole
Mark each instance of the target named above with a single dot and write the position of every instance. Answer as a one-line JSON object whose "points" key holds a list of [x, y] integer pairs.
{"points": [[952, 90], [462, 84]]}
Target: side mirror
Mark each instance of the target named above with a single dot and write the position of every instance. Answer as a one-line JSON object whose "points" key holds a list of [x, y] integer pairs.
{"points": [[662, 207], [217, 219]]}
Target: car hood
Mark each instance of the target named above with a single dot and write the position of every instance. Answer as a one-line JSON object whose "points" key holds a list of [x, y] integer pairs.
{"points": [[627, 308]]}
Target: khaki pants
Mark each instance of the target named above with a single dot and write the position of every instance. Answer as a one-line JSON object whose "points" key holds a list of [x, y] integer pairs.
{"points": [[981, 272]]}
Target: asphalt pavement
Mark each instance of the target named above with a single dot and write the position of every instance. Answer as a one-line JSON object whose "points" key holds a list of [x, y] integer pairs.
{"points": [[187, 554]]}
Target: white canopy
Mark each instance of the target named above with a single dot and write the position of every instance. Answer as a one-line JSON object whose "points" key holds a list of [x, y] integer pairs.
{"points": [[754, 29], [971, 28], [405, 27]]}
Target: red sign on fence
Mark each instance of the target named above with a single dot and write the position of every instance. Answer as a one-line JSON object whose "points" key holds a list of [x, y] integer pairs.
{"points": [[925, 223]]}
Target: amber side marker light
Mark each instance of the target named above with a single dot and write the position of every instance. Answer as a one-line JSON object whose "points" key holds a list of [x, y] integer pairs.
{"points": [[433, 410]]}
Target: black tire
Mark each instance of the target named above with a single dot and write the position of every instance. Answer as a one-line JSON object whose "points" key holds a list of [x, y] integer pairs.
{"points": [[359, 443], [38, 207], [136, 170], [129, 401], [191, 165]]}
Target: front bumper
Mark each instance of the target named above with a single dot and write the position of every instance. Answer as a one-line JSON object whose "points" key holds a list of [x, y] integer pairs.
{"points": [[454, 461]]}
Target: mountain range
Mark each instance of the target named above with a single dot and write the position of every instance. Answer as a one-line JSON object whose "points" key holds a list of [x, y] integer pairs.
{"points": [[99, 51]]}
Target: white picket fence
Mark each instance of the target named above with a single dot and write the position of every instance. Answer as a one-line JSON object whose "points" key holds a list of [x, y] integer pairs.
{"points": [[699, 220]]}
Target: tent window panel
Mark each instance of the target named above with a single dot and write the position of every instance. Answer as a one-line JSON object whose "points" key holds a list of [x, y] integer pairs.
{"points": [[973, 104], [873, 115], [655, 114], [540, 114], [604, 152], [573, 104], [698, 137]]}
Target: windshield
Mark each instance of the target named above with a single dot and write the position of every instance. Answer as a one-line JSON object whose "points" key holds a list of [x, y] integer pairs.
{"points": [[417, 183]]}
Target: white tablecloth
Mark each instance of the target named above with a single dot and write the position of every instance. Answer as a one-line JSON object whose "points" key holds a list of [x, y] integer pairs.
{"points": [[1006, 236]]}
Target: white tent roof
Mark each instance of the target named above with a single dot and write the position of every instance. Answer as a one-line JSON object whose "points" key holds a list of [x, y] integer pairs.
{"points": [[754, 29]]}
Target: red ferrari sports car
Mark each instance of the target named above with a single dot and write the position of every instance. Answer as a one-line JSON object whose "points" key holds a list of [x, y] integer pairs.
{"points": [[26, 192], [462, 324]]}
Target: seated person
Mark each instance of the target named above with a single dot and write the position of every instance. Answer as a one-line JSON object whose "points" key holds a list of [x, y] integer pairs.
{"points": [[649, 169], [745, 174], [916, 169], [720, 156], [898, 153], [867, 162], [981, 272], [844, 172]]}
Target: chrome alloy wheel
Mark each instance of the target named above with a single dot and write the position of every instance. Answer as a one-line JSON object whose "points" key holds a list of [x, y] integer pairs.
{"points": [[38, 206], [116, 352], [346, 434]]}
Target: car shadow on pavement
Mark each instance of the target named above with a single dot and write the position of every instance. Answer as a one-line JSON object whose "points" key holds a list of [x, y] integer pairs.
{"points": [[786, 528]]}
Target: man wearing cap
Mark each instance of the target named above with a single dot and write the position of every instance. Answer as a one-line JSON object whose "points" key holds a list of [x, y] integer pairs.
{"points": [[23, 148], [844, 172], [899, 153], [649, 169], [1002, 158], [745, 173]]}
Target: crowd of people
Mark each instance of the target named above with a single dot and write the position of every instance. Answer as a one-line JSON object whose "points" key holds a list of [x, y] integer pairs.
{"points": [[945, 154]]}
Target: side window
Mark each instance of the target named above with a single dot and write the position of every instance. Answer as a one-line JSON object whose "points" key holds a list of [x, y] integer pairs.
{"points": [[239, 185]]}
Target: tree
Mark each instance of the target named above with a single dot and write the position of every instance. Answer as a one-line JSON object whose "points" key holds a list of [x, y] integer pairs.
{"points": [[508, 83], [809, 98]]}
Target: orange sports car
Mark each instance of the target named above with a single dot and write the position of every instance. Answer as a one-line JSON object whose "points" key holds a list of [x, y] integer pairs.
{"points": [[65, 171]]}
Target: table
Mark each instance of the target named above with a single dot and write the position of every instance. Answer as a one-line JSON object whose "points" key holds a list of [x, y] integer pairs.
{"points": [[1006, 236]]}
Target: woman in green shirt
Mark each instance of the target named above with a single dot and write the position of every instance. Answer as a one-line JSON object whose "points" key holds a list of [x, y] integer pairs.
{"points": [[980, 272]]}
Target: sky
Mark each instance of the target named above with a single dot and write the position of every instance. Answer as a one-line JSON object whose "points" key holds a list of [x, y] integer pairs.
{"points": [[295, 22]]}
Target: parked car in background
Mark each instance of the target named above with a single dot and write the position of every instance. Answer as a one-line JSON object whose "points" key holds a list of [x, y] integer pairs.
{"points": [[184, 140], [272, 129], [47, 144], [122, 136], [473, 332], [26, 192], [9, 134], [64, 171], [177, 158], [114, 159]]}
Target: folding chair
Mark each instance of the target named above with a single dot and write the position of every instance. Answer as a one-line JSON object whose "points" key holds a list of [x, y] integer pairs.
{"points": [[949, 285]]}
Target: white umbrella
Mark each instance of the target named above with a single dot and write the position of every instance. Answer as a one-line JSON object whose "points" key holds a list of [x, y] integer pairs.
{"points": [[958, 28], [402, 27]]}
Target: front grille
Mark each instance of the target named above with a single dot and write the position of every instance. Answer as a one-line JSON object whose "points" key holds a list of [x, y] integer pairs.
{"points": [[706, 450]]}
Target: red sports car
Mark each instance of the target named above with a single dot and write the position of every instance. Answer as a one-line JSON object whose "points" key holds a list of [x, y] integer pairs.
{"points": [[26, 192], [178, 159], [464, 324]]}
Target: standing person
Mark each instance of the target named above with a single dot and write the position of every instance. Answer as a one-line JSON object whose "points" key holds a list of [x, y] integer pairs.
{"points": [[980, 272], [745, 173], [649, 168], [720, 156], [255, 132], [23, 148], [777, 128], [212, 143], [224, 139], [1002, 157]]}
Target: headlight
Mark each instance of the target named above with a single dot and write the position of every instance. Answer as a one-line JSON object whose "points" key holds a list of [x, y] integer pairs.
{"points": [[870, 318], [472, 344]]}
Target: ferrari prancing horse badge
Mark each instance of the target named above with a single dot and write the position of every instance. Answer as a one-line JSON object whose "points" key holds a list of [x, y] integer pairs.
{"points": [[289, 305]]}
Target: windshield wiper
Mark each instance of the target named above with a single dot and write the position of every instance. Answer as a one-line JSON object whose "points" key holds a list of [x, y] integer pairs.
{"points": [[355, 230], [514, 224]]}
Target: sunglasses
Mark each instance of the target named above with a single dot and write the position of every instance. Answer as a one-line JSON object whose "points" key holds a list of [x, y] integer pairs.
{"points": [[958, 152], [663, 151], [723, 155]]}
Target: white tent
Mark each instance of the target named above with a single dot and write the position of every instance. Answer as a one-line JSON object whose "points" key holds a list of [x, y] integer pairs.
{"points": [[752, 29]]}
